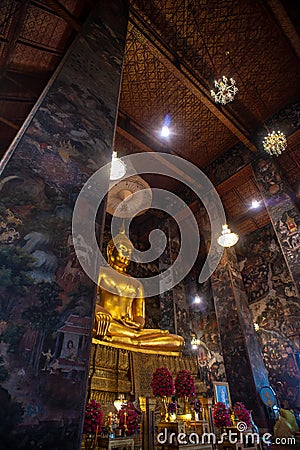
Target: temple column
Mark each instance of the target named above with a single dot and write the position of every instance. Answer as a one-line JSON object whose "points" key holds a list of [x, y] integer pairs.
{"points": [[167, 304], [279, 201], [245, 369], [46, 315]]}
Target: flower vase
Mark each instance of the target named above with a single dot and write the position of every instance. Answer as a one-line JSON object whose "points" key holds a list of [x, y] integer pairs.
{"points": [[164, 409]]}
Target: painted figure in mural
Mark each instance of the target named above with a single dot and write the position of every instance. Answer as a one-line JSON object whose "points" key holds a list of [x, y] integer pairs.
{"points": [[71, 350], [48, 355], [120, 318]]}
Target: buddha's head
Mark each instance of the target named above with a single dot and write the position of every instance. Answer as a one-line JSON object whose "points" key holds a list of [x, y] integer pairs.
{"points": [[119, 252]]}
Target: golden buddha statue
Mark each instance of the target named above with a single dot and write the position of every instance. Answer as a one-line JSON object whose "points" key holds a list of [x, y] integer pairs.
{"points": [[120, 307]]}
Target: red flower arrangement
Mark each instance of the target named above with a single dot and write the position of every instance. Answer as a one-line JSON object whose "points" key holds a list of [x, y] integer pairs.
{"points": [[93, 417], [221, 415], [162, 382], [128, 418], [184, 384], [242, 413]]}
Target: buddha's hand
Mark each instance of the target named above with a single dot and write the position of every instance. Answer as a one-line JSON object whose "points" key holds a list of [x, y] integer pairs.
{"points": [[103, 320], [137, 323], [140, 321]]}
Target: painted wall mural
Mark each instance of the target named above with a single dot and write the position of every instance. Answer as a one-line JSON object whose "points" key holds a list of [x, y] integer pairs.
{"points": [[275, 309], [203, 323], [243, 362], [280, 203], [46, 301], [226, 165]]}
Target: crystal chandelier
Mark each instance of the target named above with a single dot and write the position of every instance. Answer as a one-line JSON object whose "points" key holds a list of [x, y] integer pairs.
{"points": [[227, 238], [275, 143], [226, 90]]}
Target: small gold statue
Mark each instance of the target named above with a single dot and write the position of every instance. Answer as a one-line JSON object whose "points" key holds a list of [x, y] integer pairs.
{"points": [[120, 308]]}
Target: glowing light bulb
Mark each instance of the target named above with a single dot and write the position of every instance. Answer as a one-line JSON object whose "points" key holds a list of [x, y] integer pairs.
{"points": [[255, 204], [165, 131], [197, 299]]}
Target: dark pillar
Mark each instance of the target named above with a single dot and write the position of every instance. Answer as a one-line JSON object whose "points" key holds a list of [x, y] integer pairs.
{"points": [[245, 370], [167, 305], [279, 200], [47, 301], [149, 434]]}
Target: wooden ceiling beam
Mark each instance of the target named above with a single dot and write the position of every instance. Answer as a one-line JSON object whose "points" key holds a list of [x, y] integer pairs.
{"points": [[286, 26], [43, 48], [17, 99], [9, 123], [187, 77], [14, 34], [64, 13]]}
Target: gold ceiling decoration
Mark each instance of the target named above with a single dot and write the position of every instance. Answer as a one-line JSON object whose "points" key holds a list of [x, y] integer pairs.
{"points": [[225, 90], [275, 143]]}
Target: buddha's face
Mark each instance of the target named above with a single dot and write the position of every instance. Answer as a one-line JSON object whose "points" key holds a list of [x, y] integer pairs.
{"points": [[119, 256]]}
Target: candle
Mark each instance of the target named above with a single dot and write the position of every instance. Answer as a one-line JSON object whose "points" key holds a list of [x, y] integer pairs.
{"points": [[96, 436], [125, 416]]}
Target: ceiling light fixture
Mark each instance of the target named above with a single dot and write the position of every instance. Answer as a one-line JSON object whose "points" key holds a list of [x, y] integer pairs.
{"points": [[197, 299], [255, 204], [225, 90], [227, 238], [118, 168], [165, 131], [275, 143]]}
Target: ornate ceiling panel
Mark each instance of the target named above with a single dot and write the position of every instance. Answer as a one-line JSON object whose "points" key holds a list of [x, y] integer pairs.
{"points": [[201, 32], [45, 29], [150, 91], [32, 59]]}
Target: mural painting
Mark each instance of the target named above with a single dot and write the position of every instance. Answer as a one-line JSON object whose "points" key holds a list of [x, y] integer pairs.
{"points": [[204, 325], [46, 299], [275, 309], [244, 365], [279, 200]]}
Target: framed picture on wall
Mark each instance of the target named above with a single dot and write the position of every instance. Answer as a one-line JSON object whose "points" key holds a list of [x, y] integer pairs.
{"points": [[221, 393]]}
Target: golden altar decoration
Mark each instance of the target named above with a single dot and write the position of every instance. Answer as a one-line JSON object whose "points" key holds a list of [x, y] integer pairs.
{"points": [[124, 353]]}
